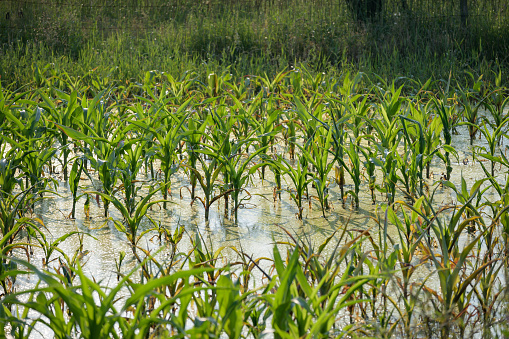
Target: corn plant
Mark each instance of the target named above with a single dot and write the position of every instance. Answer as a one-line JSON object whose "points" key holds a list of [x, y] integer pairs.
{"points": [[411, 234], [310, 114], [446, 116], [297, 308], [132, 217], [391, 101], [64, 116], [193, 134], [128, 169], [245, 113], [493, 138], [227, 317], [33, 164], [470, 112], [49, 247], [290, 132], [415, 146], [94, 120], [498, 207], [74, 179], [299, 177], [382, 265], [266, 127], [107, 156], [13, 220], [358, 107], [207, 181], [8, 167], [236, 167], [67, 312], [224, 147], [354, 170], [37, 150], [453, 294], [496, 102], [316, 152], [369, 154], [431, 128], [488, 287], [388, 136], [337, 125], [167, 131]]}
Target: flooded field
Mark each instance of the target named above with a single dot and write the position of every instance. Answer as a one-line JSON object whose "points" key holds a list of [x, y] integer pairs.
{"points": [[337, 208]]}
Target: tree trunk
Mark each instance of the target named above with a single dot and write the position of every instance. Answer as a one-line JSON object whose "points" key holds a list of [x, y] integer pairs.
{"points": [[464, 12]]}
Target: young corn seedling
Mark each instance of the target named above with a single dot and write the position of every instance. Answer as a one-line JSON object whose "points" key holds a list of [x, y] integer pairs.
{"points": [[316, 152], [49, 247], [445, 113], [496, 103], [211, 171], [12, 222], [415, 146], [130, 164], [488, 287], [9, 164], [290, 132], [107, 153], [167, 131], [300, 179], [410, 243], [369, 154], [299, 309], [132, 218], [453, 297], [493, 138], [224, 147], [470, 112], [66, 116], [67, 311], [358, 107], [239, 172], [431, 128], [498, 98], [193, 134], [74, 180], [339, 119], [206, 257], [352, 151], [266, 128], [33, 165], [246, 112], [37, 151], [499, 207]]}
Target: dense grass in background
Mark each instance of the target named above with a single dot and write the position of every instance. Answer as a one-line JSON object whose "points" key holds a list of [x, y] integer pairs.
{"points": [[124, 40]]}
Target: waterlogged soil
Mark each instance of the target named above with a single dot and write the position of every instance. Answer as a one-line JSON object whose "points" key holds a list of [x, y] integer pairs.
{"points": [[262, 222]]}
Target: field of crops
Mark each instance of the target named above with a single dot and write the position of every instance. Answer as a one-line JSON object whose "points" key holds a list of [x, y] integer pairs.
{"points": [[425, 162]]}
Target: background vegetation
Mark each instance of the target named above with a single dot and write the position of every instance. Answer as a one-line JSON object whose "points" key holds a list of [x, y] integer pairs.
{"points": [[390, 37]]}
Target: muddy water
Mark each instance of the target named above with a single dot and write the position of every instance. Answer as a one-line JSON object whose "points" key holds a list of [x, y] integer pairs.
{"points": [[260, 220]]}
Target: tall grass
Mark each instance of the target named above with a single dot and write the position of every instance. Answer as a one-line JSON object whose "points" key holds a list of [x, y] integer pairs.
{"points": [[123, 41]]}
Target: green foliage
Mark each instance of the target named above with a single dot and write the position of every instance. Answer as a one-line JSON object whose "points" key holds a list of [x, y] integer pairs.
{"points": [[138, 137]]}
